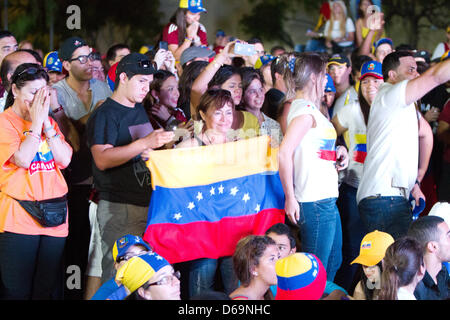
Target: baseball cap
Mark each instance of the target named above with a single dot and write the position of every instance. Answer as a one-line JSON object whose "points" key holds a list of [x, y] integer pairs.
{"points": [[373, 248], [423, 54], [139, 269], [193, 6], [339, 59], [135, 63], [263, 60], [301, 276], [145, 48], [442, 210], [378, 43], [52, 62], [196, 52], [330, 84], [220, 33], [69, 46], [122, 245], [371, 68]]}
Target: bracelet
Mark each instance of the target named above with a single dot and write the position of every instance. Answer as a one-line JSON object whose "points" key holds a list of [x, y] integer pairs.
{"points": [[58, 109], [189, 39], [32, 134], [418, 183]]}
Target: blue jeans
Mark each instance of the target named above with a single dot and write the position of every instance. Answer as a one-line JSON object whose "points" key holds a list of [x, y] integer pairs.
{"points": [[202, 274], [392, 215], [353, 231], [321, 233]]}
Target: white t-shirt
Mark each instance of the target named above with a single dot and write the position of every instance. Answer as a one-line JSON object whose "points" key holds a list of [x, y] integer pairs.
{"points": [[392, 161], [403, 294], [351, 117], [335, 31], [348, 96], [315, 175]]}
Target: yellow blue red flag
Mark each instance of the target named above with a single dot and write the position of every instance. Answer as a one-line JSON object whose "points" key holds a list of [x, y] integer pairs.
{"points": [[207, 198]]}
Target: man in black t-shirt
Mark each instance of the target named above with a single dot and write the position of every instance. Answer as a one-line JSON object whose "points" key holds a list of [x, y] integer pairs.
{"points": [[120, 136]]}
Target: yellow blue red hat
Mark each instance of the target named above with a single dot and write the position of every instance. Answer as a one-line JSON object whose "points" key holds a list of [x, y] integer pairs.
{"points": [[301, 276], [445, 56], [139, 269], [193, 6], [371, 68], [52, 62], [122, 245]]}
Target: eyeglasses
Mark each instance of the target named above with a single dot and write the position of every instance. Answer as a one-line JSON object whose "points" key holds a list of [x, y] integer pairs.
{"points": [[167, 280], [84, 58]]}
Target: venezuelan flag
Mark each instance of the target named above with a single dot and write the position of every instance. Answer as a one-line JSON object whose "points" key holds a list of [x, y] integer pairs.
{"points": [[207, 198], [360, 150], [327, 148]]}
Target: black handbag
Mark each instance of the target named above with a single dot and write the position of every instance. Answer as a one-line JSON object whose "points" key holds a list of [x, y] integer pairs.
{"points": [[49, 213]]}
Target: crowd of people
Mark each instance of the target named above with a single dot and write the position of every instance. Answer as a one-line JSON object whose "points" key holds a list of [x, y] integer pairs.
{"points": [[361, 127]]}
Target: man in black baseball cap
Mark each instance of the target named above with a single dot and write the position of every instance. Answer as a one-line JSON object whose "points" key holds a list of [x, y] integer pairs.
{"points": [[120, 136], [339, 68]]}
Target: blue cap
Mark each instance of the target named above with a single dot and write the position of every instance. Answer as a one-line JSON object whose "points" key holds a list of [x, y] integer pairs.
{"points": [[220, 33], [371, 68], [52, 62], [330, 84], [122, 245], [382, 41], [193, 6]]}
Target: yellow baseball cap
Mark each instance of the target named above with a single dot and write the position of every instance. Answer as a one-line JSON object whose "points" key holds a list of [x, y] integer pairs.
{"points": [[373, 248]]}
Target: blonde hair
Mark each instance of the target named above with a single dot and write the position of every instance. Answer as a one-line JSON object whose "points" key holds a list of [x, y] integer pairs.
{"points": [[342, 20]]}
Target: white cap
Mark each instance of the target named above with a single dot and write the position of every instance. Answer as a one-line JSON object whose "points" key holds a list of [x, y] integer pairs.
{"points": [[442, 210]]}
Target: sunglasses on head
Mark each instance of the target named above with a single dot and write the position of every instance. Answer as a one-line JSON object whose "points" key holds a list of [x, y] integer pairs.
{"points": [[32, 70]]}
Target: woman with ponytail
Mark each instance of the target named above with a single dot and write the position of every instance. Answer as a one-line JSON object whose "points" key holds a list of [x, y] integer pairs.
{"points": [[308, 165], [403, 269]]}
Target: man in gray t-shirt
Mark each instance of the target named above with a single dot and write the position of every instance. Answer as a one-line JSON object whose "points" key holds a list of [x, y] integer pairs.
{"points": [[79, 94]]}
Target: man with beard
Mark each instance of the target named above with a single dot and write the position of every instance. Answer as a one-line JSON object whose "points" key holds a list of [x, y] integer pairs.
{"points": [[120, 137], [78, 95]]}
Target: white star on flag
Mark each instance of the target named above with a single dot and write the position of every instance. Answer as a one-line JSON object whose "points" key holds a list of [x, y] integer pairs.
{"points": [[199, 196], [177, 216], [221, 189], [246, 197], [258, 208], [233, 191], [212, 191], [191, 206], [158, 257]]}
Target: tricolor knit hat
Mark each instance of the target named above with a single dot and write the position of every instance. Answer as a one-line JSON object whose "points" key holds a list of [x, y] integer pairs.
{"points": [[139, 269], [301, 276]]}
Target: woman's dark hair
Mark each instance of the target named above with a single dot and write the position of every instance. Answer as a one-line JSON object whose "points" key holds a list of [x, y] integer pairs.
{"points": [[190, 73], [364, 105], [402, 261], [247, 254], [248, 74], [362, 14], [214, 98], [224, 73], [158, 79], [24, 73], [179, 19], [369, 291]]}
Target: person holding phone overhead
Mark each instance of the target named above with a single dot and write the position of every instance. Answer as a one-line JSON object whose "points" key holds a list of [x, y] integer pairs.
{"points": [[308, 164], [184, 28], [33, 153]]}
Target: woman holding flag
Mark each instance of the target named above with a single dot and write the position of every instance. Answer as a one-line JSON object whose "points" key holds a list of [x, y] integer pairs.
{"points": [[308, 165]]}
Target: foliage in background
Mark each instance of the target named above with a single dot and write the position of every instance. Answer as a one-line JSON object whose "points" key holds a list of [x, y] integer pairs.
{"points": [[31, 20]]}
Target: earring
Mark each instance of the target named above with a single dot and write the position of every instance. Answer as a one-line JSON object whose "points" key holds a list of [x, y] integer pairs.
{"points": [[255, 273]]}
